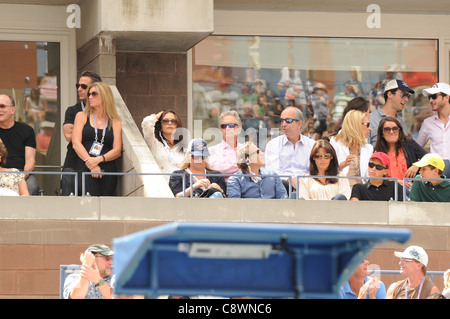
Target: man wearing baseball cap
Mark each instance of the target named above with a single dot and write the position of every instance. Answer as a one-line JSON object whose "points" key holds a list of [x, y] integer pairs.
{"points": [[396, 95], [413, 264], [433, 190], [377, 189], [95, 279], [436, 128]]}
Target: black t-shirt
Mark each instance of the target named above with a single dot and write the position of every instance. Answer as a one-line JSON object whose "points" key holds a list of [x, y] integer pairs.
{"points": [[16, 139], [384, 192], [69, 118]]}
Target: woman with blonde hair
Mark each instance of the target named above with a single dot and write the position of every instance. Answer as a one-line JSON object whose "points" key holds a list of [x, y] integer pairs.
{"points": [[195, 165], [352, 150], [251, 180], [97, 140], [446, 290]]}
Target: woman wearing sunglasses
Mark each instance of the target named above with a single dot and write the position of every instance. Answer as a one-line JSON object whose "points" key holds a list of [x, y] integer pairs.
{"points": [[195, 166], [97, 140], [250, 181], [402, 150], [323, 163], [376, 188], [352, 150], [163, 135]]}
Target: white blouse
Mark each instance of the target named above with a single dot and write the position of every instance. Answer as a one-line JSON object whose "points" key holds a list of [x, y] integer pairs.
{"points": [[168, 159], [309, 188]]}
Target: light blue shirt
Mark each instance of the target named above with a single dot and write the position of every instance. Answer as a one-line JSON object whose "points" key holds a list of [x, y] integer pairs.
{"points": [[375, 119], [282, 157], [347, 293], [241, 185]]}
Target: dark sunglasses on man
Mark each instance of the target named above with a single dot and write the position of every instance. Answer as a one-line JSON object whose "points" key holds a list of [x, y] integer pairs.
{"points": [[435, 96], [230, 125], [83, 86], [377, 166], [288, 120]]}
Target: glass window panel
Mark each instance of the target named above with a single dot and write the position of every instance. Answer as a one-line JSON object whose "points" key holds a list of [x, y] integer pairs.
{"points": [[31, 75], [228, 72]]}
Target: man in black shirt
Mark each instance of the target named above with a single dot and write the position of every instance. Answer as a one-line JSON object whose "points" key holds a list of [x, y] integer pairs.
{"points": [[20, 142], [377, 189], [70, 163]]}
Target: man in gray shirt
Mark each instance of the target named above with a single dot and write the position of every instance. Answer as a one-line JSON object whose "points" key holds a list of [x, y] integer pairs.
{"points": [[396, 95], [95, 279]]}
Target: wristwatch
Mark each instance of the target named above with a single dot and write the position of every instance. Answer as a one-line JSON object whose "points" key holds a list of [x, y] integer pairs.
{"points": [[101, 282]]}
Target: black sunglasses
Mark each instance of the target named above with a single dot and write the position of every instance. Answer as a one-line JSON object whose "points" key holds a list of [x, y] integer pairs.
{"points": [[83, 86], [434, 96], [92, 93], [366, 124], [288, 120], [394, 129], [230, 125], [327, 156], [167, 121], [378, 167]]}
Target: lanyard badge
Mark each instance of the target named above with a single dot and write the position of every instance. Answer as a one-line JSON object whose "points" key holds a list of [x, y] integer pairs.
{"points": [[96, 148]]}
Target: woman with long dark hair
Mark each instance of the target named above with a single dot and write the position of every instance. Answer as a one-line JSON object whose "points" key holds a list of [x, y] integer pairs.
{"points": [[163, 135], [402, 150], [323, 162]]}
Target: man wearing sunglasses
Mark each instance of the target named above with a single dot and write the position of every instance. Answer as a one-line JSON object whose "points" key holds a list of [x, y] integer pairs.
{"points": [[413, 265], [288, 154], [377, 189], [95, 279], [436, 128], [396, 95], [70, 163], [20, 142]]}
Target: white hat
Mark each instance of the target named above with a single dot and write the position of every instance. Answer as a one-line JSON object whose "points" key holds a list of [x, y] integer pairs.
{"points": [[437, 88], [414, 252]]}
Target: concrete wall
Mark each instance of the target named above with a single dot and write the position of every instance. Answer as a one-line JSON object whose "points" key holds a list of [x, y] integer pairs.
{"points": [[37, 234]]}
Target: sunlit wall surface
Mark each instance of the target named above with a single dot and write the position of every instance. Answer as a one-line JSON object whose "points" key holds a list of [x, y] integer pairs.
{"points": [[259, 76]]}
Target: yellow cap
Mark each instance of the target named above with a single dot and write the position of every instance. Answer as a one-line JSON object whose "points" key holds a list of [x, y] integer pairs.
{"points": [[431, 159]]}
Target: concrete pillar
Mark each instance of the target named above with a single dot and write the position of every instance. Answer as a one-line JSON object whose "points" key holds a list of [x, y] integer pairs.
{"points": [[99, 55]]}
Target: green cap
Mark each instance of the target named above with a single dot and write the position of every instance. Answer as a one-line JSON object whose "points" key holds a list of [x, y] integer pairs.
{"points": [[101, 249]]}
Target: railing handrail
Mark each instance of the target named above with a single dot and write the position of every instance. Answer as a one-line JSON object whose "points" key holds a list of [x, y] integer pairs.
{"points": [[289, 177], [431, 273]]}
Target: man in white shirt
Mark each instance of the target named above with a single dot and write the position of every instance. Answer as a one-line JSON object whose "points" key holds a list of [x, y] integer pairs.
{"points": [[436, 128], [288, 154]]}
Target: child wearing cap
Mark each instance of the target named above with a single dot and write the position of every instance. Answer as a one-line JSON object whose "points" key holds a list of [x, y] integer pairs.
{"points": [[433, 190], [377, 189]]}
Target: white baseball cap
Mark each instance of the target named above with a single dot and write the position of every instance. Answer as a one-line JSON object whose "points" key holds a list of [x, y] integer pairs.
{"points": [[414, 252], [437, 88]]}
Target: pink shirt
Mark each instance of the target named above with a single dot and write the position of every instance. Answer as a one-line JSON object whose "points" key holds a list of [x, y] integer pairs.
{"points": [[439, 135], [223, 158]]}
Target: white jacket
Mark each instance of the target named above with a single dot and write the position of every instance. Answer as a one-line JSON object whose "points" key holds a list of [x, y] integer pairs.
{"points": [[168, 159], [343, 151]]}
